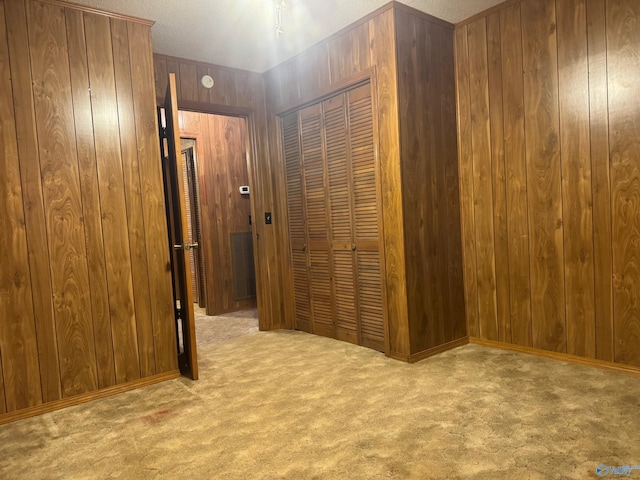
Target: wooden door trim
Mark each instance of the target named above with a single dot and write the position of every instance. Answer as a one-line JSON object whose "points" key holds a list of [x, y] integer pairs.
{"points": [[362, 77], [251, 148]]}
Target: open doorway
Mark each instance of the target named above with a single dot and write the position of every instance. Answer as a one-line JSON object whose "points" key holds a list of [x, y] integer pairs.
{"points": [[215, 171]]}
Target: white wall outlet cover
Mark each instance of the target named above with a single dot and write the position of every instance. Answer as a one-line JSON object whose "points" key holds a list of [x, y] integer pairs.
{"points": [[207, 81], [244, 190]]}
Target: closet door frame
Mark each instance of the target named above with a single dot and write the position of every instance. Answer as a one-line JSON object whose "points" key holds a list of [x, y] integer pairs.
{"points": [[361, 78]]}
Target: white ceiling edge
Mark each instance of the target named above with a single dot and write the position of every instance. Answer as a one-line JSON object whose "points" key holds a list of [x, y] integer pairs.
{"points": [[241, 33]]}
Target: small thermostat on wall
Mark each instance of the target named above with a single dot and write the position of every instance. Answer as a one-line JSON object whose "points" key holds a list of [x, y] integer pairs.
{"points": [[244, 190]]}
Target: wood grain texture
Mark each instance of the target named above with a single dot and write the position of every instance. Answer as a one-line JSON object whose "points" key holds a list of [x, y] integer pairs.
{"points": [[222, 165], [383, 57], [70, 129], [430, 183], [18, 43], [244, 95], [155, 223], [498, 167], [456, 324], [106, 132], [132, 191], [566, 93], [62, 197], [349, 53], [573, 85], [314, 72], [232, 87], [421, 274], [482, 177], [600, 175], [92, 210], [544, 174], [3, 404], [18, 346], [623, 48], [465, 169], [516, 175]]}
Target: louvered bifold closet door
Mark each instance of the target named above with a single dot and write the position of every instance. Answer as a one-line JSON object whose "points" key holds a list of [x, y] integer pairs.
{"points": [[297, 227], [367, 232], [314, 176], [341, 218]]}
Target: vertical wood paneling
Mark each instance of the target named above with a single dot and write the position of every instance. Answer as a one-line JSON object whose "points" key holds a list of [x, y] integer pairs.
{"points": [[161, 76], [456, 325], [155, 223], [70, 196], [429, 47], [222, 166], [349, 53], [92, 211], [33, 203], [601, 187], [516, 176], [112, 198], [465, 156], [430, 183], [383, 57], [500, 226], [62, 197], [482, 170], [570, 120], [314, 71], [623, 51], [132, 190], [573, 84], [3, 405], [188, 82], [420, 273], [18, 347], [544, 174]]}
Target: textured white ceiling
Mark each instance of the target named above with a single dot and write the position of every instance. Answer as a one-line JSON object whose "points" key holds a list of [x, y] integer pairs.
{"points": [[241, 33]]}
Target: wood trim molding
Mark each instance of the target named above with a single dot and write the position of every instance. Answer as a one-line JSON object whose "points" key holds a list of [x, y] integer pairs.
{"points": [[486, 13], [399, 356], [86, 397], [416, 357], [363, 76], [96, 11], [564, 357]]}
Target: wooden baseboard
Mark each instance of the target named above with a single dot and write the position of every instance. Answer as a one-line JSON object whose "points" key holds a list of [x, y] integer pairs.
{"points": [[565, 357], [399, 356], [86, 397], [416, 357]]}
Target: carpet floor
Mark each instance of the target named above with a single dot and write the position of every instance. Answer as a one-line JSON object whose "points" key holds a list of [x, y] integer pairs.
{"points": [[296, 406]]}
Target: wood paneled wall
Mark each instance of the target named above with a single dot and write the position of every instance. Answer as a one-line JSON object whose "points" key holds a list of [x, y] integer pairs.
{"points": [[222, 169], [429, 160], [240, 93], [85, 289], [366, 45], [549, 115]]}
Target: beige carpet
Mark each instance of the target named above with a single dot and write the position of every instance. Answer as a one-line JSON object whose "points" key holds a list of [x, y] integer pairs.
{"points": [[293, 405]]}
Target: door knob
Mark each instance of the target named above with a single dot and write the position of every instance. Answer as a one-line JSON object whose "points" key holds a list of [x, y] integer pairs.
{"points": [[186, 246]]}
